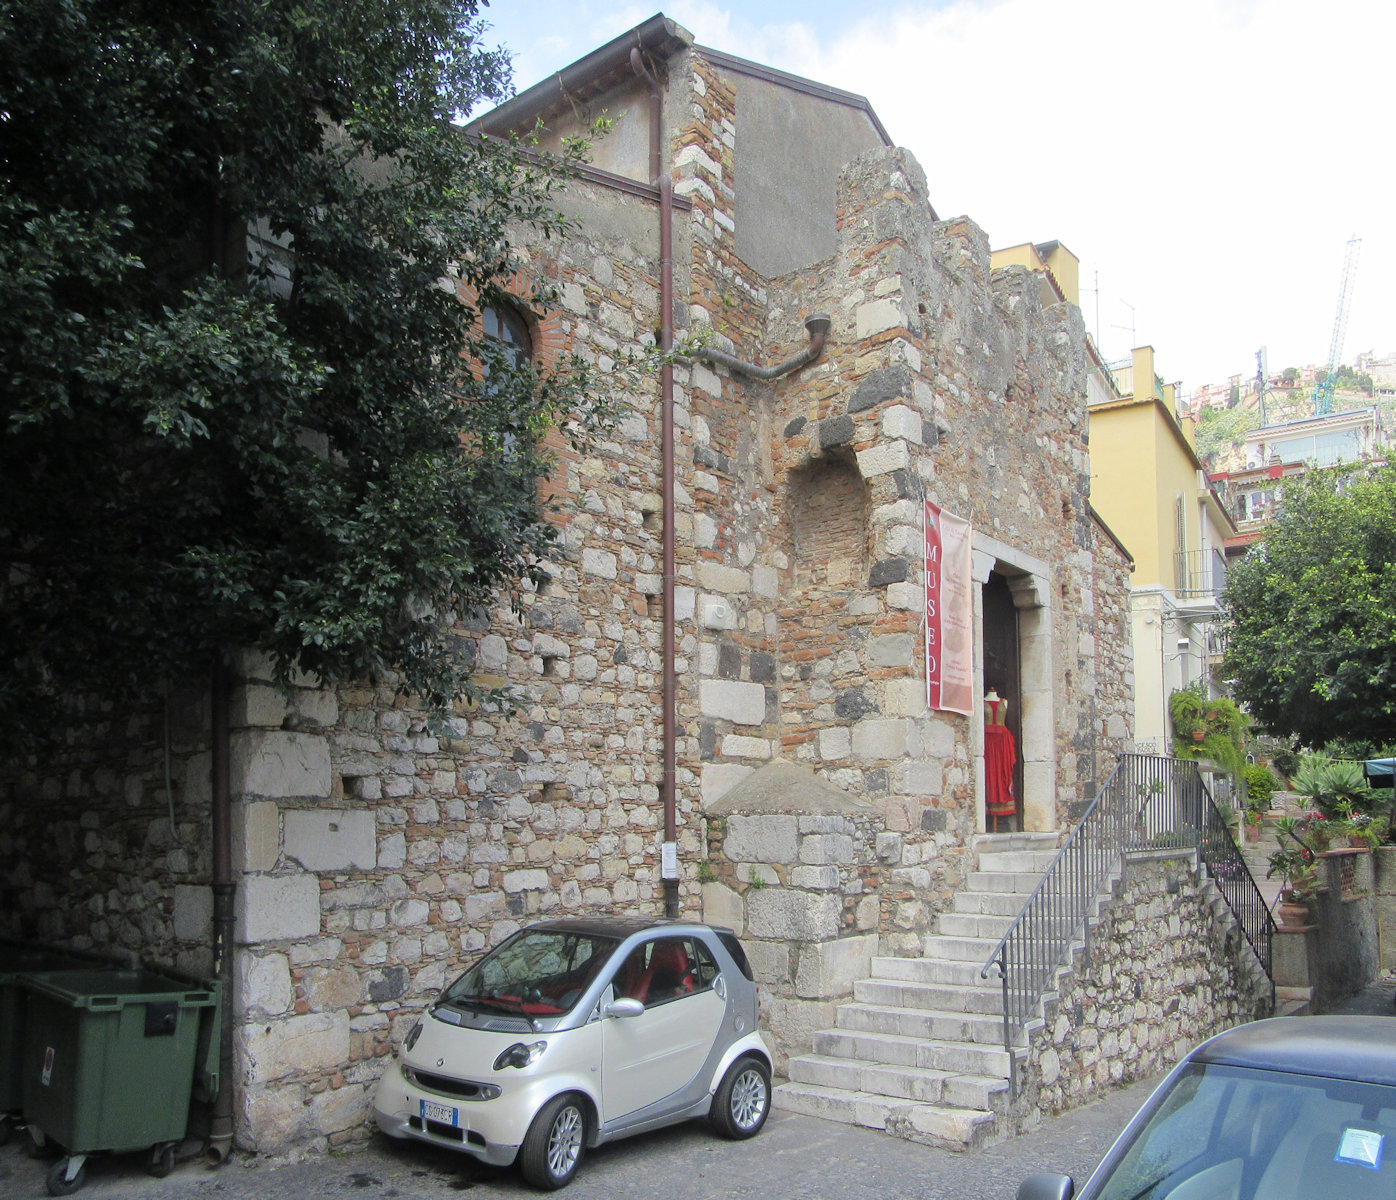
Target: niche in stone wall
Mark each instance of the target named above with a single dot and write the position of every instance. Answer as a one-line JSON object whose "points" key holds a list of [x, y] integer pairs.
{"points": [[827, 515], [828, 542]]}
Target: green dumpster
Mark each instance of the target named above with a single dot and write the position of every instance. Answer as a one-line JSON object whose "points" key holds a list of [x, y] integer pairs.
{"points": [[17, 958], [111, 1059]]}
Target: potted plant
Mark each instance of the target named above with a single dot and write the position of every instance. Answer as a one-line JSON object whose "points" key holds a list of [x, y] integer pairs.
{"points": [[1185, 711], [1298, 884], [1317, 831], [1359, 827]]}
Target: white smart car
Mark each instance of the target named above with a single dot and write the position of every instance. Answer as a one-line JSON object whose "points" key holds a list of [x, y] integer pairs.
{"points": [[576, 1032]]}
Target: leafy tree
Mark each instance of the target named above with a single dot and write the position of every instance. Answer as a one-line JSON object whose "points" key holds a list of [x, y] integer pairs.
{"points": [[241, 410], [1311, 611]]}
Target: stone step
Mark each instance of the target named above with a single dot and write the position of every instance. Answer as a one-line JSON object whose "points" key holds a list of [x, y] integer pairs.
{"points": [[963, 949], [945, 1128], [946, 1026], [900, 1050], [901, 993], [1036, 861], [983, 1093], [989, 843], [1002, 904], [1003, 881], [974, 925], [947, 972]]}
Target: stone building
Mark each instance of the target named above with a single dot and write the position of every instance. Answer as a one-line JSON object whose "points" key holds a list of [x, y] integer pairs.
{"points": [[814, 798]]}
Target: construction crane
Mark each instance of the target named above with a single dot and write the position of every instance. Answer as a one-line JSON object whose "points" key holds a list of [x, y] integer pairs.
{"points": [[1323, 389]]}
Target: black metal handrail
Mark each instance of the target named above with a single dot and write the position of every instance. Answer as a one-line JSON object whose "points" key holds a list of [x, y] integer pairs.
{"points": [[1149, 803]]}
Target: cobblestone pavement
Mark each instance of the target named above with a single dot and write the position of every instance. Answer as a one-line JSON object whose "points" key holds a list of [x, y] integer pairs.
{"points": [[794, 1158]]}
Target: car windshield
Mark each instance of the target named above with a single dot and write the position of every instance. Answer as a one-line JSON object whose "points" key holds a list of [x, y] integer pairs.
{"points": [[540, 972], [1232, 1133]]}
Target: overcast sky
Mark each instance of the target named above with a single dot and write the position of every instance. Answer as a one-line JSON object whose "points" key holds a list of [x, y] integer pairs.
{"points": [[1207, 160]]}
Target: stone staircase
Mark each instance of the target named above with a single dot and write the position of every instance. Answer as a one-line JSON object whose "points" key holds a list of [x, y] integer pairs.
{"points": [[919, 1050]]}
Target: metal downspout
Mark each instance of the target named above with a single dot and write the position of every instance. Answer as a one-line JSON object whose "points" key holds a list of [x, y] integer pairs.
{"points": [[660, 178], [818, 328], [220, 1134]]}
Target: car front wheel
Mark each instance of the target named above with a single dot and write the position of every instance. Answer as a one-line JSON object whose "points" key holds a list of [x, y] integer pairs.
{"points": [[552, 1148], [742, 1100]]}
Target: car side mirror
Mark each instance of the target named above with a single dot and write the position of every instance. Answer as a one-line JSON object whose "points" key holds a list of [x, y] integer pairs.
{"points": [[1047, 1187], [626, 1006]]}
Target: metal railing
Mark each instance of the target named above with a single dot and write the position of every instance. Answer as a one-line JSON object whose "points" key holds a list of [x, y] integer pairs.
{"points": [[1149, 803], [1199, 573]]}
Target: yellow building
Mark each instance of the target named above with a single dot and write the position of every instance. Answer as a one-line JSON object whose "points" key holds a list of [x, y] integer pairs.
{"points": [[1149, 485]]}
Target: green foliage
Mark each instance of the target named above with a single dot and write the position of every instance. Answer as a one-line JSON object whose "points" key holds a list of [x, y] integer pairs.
{"points": [[1298, 875], [1330, 785], [1260, 784], [1310, 612], [213, 442], [1225, 429], [1208, 728]]}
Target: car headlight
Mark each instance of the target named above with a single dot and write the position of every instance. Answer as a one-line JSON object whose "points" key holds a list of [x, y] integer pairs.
{"points": [[413, 1034], [520, 1054]]}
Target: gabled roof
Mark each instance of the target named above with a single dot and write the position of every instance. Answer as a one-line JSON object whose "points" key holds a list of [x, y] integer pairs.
{"points": [[658, 39]]}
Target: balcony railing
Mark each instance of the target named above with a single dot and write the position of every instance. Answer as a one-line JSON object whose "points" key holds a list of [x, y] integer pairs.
{"points": [[1199, 573]]}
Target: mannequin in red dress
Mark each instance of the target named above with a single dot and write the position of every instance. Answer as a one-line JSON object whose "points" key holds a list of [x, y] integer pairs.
{"points": [[1000, 754]]}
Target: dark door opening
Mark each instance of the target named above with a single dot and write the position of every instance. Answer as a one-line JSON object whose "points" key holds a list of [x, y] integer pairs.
{"points": [[1001, 675]]}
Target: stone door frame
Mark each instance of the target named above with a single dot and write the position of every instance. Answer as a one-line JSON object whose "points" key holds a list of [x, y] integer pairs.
{"points": [[1030, 581]]}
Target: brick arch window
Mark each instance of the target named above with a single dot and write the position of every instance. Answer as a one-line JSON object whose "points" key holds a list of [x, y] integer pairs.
{"points": [[508, 326]]}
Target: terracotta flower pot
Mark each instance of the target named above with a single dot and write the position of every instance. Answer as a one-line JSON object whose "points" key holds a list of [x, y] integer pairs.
{"points": [[1292, 914], [1198, 734]]}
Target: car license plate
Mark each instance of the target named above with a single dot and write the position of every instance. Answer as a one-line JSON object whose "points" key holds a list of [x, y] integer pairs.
{"points": [[443, 1114]]}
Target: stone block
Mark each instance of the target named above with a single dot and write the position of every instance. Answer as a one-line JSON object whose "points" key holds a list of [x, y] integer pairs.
{"points": [[877, 316], [918, 778], [535, 880], [294, 1045], [330, 988], [828, 970], [338, 1109], [723, 906], [726, 580], [815, 879], [892, 650], [901, 421], [731, 700], [792, 916], [905, 697], [264, 985], [819, 849], [277, 763], [883, 458], [330, 839], [736, 746], [835, 742], [770, 962], [271, 908], [600, 563], [881, 739], [257, 704], [767, 838], [193, 912], [273, 1119], [721, 778]]}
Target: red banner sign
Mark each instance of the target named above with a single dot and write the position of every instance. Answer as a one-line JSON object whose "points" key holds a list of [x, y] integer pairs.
{"points": [[949, 612]]}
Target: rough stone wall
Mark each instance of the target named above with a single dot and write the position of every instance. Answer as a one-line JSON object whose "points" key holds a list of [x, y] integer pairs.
{"points": [[376, 854], [1167, 967]]}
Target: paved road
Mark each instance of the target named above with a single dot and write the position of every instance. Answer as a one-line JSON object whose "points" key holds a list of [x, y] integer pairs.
{"points": [[794, 1158]]}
